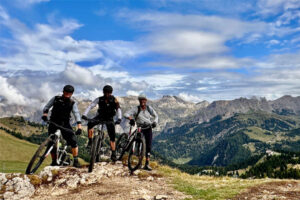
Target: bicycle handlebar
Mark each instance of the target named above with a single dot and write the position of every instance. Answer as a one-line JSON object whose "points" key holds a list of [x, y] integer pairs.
{"points": [[97, 121], [143, 126], [61, 127]]}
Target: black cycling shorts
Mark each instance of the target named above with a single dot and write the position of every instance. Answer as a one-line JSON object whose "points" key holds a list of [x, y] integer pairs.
{"points": [[110, 125], [69, 137], [148, 139]]}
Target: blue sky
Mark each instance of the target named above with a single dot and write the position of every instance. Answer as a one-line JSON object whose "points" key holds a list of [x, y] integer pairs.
{"points": [[195, 49]]}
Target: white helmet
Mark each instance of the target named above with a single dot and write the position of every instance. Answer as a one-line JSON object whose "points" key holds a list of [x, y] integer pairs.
{"points": [[142, 96]]}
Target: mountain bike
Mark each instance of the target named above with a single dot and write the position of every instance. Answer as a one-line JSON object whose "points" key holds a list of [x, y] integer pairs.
{"points": [[97, 143], [54, 141], [134, 143]]}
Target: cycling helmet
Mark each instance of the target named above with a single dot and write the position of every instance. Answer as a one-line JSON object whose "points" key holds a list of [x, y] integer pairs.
{"points": [[107, 89], [68, 88], [142, 96]]}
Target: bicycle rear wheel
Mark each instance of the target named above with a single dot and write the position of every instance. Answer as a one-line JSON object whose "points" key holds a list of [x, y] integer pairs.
{"points": [[136, 154], [121, 145], [94, 152], [40, 155]]}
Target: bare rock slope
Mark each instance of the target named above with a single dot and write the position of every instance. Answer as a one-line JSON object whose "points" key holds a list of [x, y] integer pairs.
{"points": [[107, 181]]}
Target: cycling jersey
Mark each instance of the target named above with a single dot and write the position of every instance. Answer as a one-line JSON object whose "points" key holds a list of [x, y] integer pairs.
{"points": [[62, 108], [144, 116], [106, 109]]}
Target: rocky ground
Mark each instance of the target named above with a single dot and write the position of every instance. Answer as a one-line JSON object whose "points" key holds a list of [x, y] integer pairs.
{"points": [[113, 181], [107, 181]]}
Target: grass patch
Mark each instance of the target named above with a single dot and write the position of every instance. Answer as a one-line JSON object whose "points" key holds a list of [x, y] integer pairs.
{"points": [[259, 134], [16, 154], [207, 187], [18, 124], [182, 160]]}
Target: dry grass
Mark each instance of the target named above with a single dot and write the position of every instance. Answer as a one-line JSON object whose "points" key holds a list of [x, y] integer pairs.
{"points": [[35, 180], [207, 187]]}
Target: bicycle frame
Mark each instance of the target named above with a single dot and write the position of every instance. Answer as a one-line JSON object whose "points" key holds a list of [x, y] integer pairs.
{"points": [[132, 136], [59, 151], [57, 135]]}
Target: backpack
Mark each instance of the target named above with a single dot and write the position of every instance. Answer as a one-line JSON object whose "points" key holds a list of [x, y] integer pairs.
{"points": [[139, 110]]}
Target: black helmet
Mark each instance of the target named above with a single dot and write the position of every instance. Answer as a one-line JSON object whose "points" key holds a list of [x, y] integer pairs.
{"points": [[107, 89], [68, 88]]}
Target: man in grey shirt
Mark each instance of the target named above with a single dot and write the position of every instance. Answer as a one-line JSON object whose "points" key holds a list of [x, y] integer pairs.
{"points": [[62, 106], [144, 115]]}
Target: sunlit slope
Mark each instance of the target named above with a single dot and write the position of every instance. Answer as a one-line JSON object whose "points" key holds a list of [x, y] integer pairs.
{"points": [[15, 153], [224, 141]]}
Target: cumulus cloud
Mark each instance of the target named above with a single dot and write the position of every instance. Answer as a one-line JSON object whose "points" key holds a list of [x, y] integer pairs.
{"points": [[189, 97], [132, 93], [192, 52], [78, 75], [49, 46], [198, 41], [10, 94]]}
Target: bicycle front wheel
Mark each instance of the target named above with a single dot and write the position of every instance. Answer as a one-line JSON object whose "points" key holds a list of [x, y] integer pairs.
{"points": [[121, 145], [40, 155], [94, 152], [136, 154]]}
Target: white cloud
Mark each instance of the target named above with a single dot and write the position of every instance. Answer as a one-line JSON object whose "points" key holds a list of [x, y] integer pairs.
{"points": [[49, 46], [182, 43], [161, 81], [198, 41], [106, 72], [91, 94], [79, 75], [10, 94], [189, 97], [227, 27], [206, 62], [274, 7], [132, 93], [3, 14]]}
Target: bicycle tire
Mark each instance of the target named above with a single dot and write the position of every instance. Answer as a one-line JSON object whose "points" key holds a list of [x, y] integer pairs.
{"points": [[32, 168], [99, 146], [136, 154], [120, 145], [94, 152]]}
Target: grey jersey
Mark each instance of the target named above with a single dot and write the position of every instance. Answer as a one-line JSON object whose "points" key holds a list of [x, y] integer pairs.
{"points": [[144, 117], [75, 109]]}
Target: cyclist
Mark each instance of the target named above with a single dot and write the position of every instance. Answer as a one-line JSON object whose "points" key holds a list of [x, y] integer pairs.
{"points": [[62, 106], [108, 106], [143, 114]]}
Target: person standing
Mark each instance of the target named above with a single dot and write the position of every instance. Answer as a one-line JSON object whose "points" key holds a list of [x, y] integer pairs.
{"points": [[62, 107], [144, 115]]}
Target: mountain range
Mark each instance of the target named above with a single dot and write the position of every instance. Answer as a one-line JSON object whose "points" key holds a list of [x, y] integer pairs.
{"points": [[217, 133]]}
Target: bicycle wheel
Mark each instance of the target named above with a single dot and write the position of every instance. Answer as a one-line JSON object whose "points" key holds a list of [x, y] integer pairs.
{"points": [[136, 154], [39, 156], [121, 145], [99, 151], [94, 152]]}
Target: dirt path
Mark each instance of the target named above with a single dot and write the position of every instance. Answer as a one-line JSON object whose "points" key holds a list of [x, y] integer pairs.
{"points": [[142, 185], [274, 190]]}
